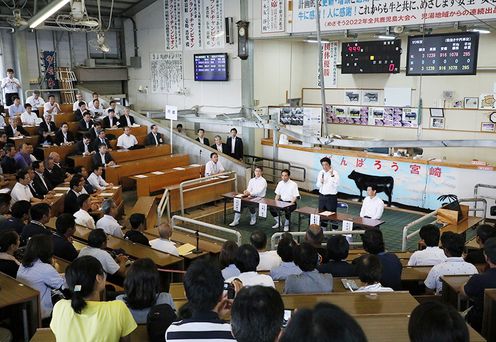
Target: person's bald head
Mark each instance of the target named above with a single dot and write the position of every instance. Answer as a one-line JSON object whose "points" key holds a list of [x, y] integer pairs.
{"points": [[314, 235], [55, 156], [165, 230]]}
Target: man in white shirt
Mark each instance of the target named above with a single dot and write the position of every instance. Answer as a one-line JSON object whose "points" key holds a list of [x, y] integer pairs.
{"points": [[247, 260], [113, 107], [108, 222], [164, 243], [127, 140], [96, 108], [10, 86], [51, 107], [21, 191], [327, 183], [82, 217], [28, 117], [79, 98], [213, 166], [453, 246], [36, 101], [268, 259], [16, 108], [257, 187], [432, 254], [372, 206], [286, 191], [96, 180]]}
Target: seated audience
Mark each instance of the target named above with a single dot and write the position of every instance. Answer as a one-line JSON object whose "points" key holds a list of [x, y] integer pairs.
{"points": [[4, 208], [475, 286], [126, 120], [219, 145], [372, 206], [40, 215], [100, 139], [434, 321], [3, 139], [95, 131], [51, 107], [84, 317], [369, 270], [113, 107], [9, 164], [373, 243], [77, 103], [54, 174], [201, 137], [102, 158], [142, 290], [286, 250], [36, 101], [63, 136], [21, 191], [62, 246], [227, 258], [86, 123], [204, 287], [337, 252], [163, 243], [126, 140], [14, 128], [310, 280], [154, 138], [213, 166], [432, 254], [80, 111], [453, 245], [19, 215], [96, 108], [16, 108], [137, 222], [315, 236], [484, 232], [179, 129], [96, 180], [37, 272], [268, 259], [84, 146], [47, 130], [41, 185], [9, 243], [82, 216], [247, 260], [108, 222], [257, 314], [97, 245], [286, 191], [87, 188], [70, 200], [29, 117], [58, 168], [110, 121], [326, 322]]}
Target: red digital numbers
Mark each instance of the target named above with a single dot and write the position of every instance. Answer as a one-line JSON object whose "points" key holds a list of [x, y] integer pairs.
{"points": [[391, 67], [354, 48]]}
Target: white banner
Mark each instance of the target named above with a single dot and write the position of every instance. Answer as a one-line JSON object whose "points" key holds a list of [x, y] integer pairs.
{"points": [[273, 16], [329, 61], [214, 24], [167, 72], [172, 24], [355, 14], [193, 22]]}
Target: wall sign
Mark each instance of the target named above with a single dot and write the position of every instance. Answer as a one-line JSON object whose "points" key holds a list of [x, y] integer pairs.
{"points": [[167, 72], [173, 24], [273, 16]]}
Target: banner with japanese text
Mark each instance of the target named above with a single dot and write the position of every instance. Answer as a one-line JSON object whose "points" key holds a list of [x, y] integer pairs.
{"points": [[193, 23], [214, 23], [356, 14], [329, 61], [173, 24], [273, 16]]}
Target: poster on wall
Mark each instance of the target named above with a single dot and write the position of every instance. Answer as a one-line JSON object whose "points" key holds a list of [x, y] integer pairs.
{"points": [[487, 101], [410, 117], [376, 116], [312, 121], [305, 120], [172, 24], [341, 15], [214, 23], [193, 24], [167, 72], [273, 16], [48, 65], [371, 97], [329, 62]]}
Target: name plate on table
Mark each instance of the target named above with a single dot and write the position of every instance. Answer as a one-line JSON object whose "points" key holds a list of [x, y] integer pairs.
{"points": [[262, 210], [315, 219], [347, 227], [237, 205]]}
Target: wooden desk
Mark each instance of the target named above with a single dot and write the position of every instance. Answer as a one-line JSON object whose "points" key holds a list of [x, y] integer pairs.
{"points": [[122, 156], [141, 130], [115, 174], [489, 316], [451, 290], [18, 141], [32, 130], [463, 226], [357, 220], [147, 205], [63, 150], [13, 292], [140, 334], [63, 117], [157, 180], [415, 273]]}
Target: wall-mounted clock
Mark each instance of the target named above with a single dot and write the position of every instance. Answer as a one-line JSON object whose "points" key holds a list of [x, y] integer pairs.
{"points": [[243, 39], [492, 117]]}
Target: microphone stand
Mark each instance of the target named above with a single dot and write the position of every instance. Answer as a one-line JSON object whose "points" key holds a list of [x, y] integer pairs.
{"points": [[197, 250]]}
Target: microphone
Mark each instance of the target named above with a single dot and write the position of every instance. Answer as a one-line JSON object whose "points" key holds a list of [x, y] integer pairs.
{"points": [[197, 250]]}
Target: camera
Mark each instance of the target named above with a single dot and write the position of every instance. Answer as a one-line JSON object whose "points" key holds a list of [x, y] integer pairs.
{"points": [[231, 292]]}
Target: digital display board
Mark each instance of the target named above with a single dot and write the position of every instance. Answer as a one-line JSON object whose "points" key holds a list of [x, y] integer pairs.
{"points": [[373, 57], [211, 67], [443, 54]]}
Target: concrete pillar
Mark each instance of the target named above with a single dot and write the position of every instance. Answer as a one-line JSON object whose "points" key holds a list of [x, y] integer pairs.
{"points": [[21, 61]]}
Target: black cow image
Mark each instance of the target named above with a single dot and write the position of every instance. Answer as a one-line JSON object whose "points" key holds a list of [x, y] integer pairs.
{"points": [[384, 184]]}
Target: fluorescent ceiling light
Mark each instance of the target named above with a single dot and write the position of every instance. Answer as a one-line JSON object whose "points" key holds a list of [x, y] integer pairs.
{"points": [[47, 12], [479, 30], [386, 36], [315, 41]]}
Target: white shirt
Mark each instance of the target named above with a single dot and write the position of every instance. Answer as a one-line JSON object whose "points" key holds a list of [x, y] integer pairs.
{"points": [[158, 140], [9, 85], [219, 147], [372, 207], [20, 193], [110, 226], [253, 279], [451, 266], [233, 145], [287, 190], [35, 103], [374, 288], [108, 263], [48, 107], [331, 182], [164, 245], [29, 119], [257, 186], [126, 141], [430, 256], [96, 111], [201, 140], [97, 182], [83, 218], [212, 168], [75, 105], [268, 260]]}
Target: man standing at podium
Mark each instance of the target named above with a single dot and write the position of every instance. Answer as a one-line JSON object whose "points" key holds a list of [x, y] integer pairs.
{"points": [[327, 183]]}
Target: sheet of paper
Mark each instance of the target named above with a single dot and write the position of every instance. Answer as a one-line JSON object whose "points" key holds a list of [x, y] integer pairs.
{"points": [[237, 205], [61, 188], [179, 168], [239, 196], [185, 249], [115, 187], [58, 195], [262, 210], [195, 165], [141, 176], [223, 177], [315, 219], [327, 213], [157, 173], [106, 194]]}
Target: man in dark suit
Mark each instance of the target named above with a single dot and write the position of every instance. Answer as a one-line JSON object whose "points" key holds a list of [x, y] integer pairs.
{"points": [[101, 139], [79, 113], [70, 201], [54, 174], [102, 157], [63, 136], [201, 137], [86, 123], [19, 216], [47, 129], [14, 128], [110, 121], [84, 147], [9, 164], [95, 130], [40, 215], [219, 145], [126, 119], [154, 138], [235, 145], [41, 185]]}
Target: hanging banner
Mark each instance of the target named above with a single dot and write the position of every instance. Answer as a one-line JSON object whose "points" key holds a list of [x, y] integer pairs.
{"points": [[167, 72], [193, 22], [214, 24], [273, 16], [329, 61], [172, 24], [357, 14]]}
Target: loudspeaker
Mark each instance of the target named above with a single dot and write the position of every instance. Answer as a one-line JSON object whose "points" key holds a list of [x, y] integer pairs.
{"points": [[229, 23]]}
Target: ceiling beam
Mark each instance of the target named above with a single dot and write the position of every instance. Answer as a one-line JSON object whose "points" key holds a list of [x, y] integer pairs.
{"points": [[131, 11]]}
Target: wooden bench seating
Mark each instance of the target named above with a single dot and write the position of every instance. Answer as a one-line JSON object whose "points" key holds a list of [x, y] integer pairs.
{"points": [[18, 141], [65, 116]]}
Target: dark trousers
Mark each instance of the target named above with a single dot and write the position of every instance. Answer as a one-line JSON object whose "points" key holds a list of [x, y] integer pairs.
{"points": [[287, 211], [327, 203], [9, 98]]}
